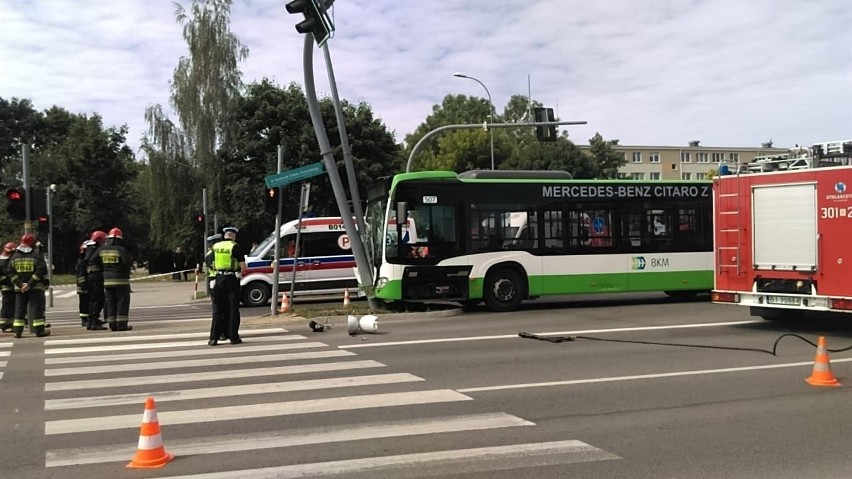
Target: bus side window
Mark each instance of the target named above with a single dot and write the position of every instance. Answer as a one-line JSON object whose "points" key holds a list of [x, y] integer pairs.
{"points": [[554, 240]]}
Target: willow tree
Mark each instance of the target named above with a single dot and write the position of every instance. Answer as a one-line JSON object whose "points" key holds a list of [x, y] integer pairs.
{"points": [[205, 84]]}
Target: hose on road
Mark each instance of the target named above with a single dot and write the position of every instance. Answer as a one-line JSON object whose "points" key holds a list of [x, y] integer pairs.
{"points": [[773, 351]]}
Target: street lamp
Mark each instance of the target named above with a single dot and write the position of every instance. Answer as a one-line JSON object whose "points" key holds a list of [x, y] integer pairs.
{"points": [[490, 130]]}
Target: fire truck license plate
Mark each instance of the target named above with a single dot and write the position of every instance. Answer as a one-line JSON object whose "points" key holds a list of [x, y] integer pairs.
{"points": [[786, 300]]}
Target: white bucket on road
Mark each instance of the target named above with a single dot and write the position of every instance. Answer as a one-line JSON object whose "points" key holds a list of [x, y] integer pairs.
{"points": [[365, 324]]}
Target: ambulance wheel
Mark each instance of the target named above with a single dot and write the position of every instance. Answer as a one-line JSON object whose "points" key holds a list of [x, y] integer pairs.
{"points": [[504, 290], [256, 294]]}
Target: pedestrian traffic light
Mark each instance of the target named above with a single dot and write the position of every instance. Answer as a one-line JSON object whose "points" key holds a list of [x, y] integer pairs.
{"points": [[198, 218], [545, 133], [271, 200], [43, 225], [16, 204], [316, 22]]}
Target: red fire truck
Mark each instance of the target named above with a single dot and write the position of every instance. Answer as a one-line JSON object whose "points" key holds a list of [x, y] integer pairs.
{"points": [[783, 227]]}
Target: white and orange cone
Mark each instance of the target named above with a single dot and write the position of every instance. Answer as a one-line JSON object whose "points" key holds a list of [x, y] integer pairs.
{"points": [[822, 375], [285, 303], [150, 453]]}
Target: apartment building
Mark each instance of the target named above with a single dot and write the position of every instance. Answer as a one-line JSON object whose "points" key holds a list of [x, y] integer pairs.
{"points": [[691, 162]]}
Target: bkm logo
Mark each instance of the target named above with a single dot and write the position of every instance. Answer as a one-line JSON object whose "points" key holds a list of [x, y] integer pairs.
{"points": [[638, 262]]}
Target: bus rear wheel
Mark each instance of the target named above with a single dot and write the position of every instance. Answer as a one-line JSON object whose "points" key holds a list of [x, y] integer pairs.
{"points": [[503, 290]]}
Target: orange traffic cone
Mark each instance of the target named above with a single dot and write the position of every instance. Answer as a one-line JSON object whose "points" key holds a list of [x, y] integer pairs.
{"points": [[822, 375], [345, 296], [150, 452], [285, 303]]}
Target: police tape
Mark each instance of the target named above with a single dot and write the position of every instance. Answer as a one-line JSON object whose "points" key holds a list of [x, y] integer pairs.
{"points": [[170, 273]]}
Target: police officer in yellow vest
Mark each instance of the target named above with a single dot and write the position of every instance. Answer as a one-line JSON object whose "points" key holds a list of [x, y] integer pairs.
{"points": [[229, 260]]}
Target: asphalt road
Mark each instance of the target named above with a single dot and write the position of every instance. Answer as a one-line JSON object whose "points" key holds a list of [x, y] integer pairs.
{"points": [[647, 388]]}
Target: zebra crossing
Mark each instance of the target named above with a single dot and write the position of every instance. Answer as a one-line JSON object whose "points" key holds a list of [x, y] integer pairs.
{"points": [[95, 388], [5, 352]]}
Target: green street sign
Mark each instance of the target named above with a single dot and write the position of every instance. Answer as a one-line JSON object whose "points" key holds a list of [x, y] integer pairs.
{"points": [[294, 175]]}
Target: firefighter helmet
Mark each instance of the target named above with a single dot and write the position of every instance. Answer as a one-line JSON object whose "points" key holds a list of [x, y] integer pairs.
{"points": [[115, 233], [9, 247], [28, 239], [98, 236]]}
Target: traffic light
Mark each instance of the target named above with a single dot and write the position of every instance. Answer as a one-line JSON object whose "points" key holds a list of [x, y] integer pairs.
{"points": [[545, 133], [316, 22], [198, 219], [16, 204], [43, 225], [38, 202], [271, 200]]}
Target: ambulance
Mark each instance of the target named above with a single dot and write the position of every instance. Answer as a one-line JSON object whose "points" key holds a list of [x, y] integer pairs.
{"points": [[323, 262]]}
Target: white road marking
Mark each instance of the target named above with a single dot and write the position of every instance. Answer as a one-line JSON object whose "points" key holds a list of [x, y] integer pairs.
{"points": [[228, 391], [641, 376], [113, 358], [572, 451], [253, 411], [191, 363], [138, 338], [172, 344], [290, 438], [552, 333], [208, 376]]}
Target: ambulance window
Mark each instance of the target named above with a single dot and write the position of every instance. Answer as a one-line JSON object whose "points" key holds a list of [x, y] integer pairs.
{"points": [[324, 244], [288, 246]]}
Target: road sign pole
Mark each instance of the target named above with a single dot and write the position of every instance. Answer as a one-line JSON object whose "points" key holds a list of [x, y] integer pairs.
{"points": [[276, 258]]}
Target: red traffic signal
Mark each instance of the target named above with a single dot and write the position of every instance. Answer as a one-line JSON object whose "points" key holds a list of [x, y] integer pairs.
{"points": [[199, 218], [16, 204], [14, 195], [43, 224]]}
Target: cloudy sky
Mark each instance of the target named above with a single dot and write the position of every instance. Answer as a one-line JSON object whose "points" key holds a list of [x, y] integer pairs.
{"points": [[661, 72]]}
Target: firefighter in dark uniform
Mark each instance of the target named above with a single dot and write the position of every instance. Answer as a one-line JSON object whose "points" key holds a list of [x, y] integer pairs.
{"points": [[7, 311], [115, 262], [29, 276], [229, 260], [94, 281], [82, 285]]}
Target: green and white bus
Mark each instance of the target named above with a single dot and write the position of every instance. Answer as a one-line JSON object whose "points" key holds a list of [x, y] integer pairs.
{"points": [[503, 236]]}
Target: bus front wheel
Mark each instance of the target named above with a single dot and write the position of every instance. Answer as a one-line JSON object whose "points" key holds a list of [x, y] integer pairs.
{"points": [[503, 290]]}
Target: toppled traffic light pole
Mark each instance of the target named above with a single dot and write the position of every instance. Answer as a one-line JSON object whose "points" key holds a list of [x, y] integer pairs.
{"points": [[318, 25]]}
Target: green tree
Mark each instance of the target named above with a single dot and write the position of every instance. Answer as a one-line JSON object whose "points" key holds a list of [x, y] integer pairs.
{"points": [[90, 164], [608, 160], [205, 85], [268, 116], [443, 151], [514, 148]]}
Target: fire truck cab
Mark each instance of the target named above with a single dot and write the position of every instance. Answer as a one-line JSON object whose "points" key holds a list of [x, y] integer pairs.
{"points": [[781, 230]]}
